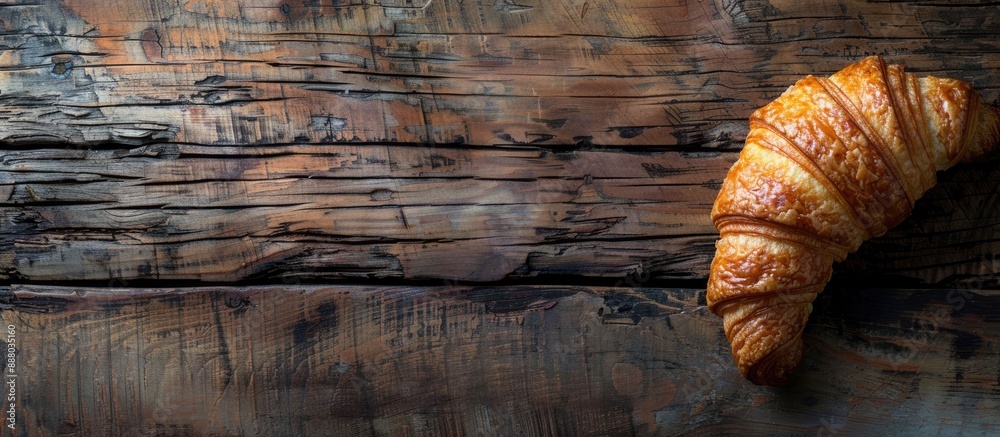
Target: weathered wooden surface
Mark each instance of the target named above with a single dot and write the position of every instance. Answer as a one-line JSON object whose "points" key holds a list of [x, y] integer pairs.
{"points": [[636, 73], [179, 212], [308, 213], [399, 148], [354, 360], [220, 132]]}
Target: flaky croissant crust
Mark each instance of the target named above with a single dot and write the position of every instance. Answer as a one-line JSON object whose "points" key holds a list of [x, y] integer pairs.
{"points": [[830, 163]]}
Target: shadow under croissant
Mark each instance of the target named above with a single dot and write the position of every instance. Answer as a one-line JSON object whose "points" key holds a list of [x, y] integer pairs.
{"points": [[861, 336], [858, 340]]}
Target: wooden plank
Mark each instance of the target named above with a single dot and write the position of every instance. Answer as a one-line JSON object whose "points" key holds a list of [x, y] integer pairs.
{"points": [[178, 212], [628, 74], [307, 213], [525, 360]]}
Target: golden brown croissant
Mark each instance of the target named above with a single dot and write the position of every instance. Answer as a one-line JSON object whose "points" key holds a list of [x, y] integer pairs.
{"points": [[830, 163]]}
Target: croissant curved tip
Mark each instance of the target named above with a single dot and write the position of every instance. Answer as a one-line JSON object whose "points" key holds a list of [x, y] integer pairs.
{"points": [[778, 367]]}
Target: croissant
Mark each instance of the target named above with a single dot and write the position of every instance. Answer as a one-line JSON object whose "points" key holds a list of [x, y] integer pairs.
{"points": [[830, 163]]}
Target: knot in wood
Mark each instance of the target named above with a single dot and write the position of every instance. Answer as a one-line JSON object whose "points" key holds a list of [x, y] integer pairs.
{"points": [[61, 66]]}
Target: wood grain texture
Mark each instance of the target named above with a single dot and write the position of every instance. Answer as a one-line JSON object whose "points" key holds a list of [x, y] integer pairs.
{"points": [[313, 213], [389, 128], [180, 212], [627, 74], [528, 360], [252, 218]]}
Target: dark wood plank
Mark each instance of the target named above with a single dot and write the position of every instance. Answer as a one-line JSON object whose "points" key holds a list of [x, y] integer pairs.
{"points": [[524, 360], [628, 74], [308, 213], [176, 212]]}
